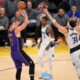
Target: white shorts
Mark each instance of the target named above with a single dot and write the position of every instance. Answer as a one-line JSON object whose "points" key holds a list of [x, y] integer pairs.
{"points": [[75, 56], [48, 53]]}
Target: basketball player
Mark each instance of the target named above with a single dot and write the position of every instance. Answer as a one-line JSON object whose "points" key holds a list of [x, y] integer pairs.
{"points": [[71, 34], [45, 48], [17, 53]]}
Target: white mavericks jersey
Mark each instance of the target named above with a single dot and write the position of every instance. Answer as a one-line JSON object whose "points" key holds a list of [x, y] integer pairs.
{"points": [[45, 36], [72, 38]]}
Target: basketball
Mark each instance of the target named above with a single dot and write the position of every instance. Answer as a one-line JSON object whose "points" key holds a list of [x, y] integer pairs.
{"points": [[21, 5]]}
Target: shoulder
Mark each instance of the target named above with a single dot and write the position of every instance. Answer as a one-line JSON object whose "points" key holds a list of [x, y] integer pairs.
{"points": [[5, 18], [69, 12], [49, 28], [77, 12], [66, 16], [55, 15]]}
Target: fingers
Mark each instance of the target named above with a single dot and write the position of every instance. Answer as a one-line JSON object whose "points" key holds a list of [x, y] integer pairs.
{"points": [[45, 11], [22, 12]]}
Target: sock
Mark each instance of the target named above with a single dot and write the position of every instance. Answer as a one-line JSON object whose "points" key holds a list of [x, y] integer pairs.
{"points": [[49, 66], [32, 77], [41, 62], [18, 74]]}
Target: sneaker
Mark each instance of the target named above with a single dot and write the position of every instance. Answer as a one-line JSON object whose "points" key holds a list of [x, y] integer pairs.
{"points": [[51, 76], [54, 43], [47, 76], [6, 45], [41, 76]]}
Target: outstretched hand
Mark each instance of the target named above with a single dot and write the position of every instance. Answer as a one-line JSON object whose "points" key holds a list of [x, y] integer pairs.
{"points": [[45, 11], [24, 13]]}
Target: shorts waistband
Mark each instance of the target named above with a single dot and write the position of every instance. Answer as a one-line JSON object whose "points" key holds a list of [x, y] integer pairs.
{"points": [[74, 49]]}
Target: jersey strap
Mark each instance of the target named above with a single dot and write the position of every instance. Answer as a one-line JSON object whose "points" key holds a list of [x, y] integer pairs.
{"points": [[47, 30]]}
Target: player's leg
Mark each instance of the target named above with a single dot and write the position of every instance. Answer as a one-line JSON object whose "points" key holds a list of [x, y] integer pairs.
{"points": [[18, 65], [76, 61], [41, 54], [49, 57], [40, 58], [31, 64], [18, 73]]}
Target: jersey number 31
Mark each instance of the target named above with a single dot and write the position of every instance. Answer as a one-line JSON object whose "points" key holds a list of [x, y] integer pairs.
{"points": [[75, 39]]}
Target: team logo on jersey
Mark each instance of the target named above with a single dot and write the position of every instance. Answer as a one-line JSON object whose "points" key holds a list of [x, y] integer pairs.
{"points": [[10, 35]]}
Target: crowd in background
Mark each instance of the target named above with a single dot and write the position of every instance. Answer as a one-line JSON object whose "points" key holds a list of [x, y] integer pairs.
{"points": [[63, 12]]}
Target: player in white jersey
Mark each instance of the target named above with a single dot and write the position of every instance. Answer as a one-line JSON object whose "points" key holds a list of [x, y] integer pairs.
{"points": [[71, 34], [45, 48]]}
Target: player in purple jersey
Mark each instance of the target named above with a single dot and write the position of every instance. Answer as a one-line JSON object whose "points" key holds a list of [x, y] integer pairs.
{"points": [[17, 53]]}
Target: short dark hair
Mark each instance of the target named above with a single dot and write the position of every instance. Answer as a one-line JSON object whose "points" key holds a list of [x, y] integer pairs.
{"points": [[44, 17], [29, 1], [74, 5], [72, 23], [61, 8]]}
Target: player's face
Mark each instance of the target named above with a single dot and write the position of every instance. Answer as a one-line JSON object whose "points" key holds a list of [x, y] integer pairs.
{"points": [[43, 22], [14, 25]]}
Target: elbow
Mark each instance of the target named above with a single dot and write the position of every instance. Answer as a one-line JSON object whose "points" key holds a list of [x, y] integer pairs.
{"points": [[26, 21]]}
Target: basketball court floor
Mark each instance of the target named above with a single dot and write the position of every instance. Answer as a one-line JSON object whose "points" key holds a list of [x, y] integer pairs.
{"points": [[62, 65]]}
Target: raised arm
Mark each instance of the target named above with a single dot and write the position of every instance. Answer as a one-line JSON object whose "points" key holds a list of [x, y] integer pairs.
{"points": [[24, 24], [60, 28], [78, 28]]}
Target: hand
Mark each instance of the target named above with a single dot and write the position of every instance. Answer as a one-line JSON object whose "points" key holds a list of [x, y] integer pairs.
{"points": [[45, 11], [47, 48], [24, 13], [39, 46]]}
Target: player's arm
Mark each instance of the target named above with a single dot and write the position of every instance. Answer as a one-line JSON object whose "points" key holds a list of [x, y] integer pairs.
{"points": [[24, 24], [78, 28], [40, 43], [50, 31], [60, 28]]}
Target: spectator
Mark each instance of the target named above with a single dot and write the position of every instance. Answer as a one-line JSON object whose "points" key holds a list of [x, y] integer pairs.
{"points": [[32, 15], [65, 5], [4, 24], [37, 2], [52, 7], [75, 2], [3, 19], [62, 18], [30, 11], [74, 13], [11, 7]]}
